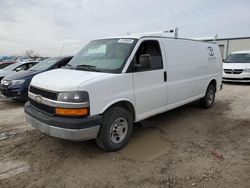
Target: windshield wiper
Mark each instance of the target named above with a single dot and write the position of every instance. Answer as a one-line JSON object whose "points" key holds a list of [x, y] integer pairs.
{"points": [[68, 66], [87, 68]]}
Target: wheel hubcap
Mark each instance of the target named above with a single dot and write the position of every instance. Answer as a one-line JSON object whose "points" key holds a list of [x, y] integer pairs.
{"points": [[210, 97], [118, 130]]}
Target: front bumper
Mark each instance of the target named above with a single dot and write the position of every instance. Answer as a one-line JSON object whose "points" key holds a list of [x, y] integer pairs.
{"points": [[243, 77], [14, 92], [227, 79], [75, 129]]}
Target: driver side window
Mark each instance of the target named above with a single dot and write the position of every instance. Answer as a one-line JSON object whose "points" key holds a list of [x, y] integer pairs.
{"points": [[152, 48], [21, 67]]}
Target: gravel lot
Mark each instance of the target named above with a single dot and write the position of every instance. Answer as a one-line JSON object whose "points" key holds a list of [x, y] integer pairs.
{"points": [[186, 147]]}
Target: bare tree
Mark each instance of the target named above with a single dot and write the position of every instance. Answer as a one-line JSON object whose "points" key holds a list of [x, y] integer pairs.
{"points": [[31, 54]]}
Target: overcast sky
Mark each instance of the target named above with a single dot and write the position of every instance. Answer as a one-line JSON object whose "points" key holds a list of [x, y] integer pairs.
{"points": [[44, 25]]}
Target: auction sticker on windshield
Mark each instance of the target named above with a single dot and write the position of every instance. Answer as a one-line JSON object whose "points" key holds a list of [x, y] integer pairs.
{"points": [[128, 41]]}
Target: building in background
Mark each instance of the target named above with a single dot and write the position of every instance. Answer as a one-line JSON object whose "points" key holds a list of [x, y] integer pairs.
{"points": [[228, 45]]}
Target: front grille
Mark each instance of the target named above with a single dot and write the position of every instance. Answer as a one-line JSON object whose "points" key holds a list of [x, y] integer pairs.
{"points": [[44, 93], [236, 79], [45, 108], [233, 71], [4, 86]]}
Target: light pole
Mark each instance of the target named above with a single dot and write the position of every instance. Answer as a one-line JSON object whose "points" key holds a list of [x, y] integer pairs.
{"points": [[62, 48]]}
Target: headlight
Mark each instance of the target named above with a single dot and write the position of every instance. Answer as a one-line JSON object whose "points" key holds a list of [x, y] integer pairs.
{"points": [[75, 96], [16, 82], [5, 82], [247, 70]]}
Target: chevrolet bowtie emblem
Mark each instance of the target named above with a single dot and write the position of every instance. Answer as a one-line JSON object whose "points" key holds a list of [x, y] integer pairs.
{"points": [[38, 98]]}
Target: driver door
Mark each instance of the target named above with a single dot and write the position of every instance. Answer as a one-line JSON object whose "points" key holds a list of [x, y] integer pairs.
{"points": [[150, 84]]}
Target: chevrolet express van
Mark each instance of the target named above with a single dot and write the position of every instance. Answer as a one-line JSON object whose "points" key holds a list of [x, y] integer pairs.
{"points": [[114, 82]]}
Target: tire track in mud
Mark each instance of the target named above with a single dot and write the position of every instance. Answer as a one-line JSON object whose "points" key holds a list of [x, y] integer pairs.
{"points": [[35, 149], [11, 168], [6, 104], [20, 144]]}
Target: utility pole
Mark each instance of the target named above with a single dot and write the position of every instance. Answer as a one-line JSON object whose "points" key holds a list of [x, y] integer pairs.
{"points": [[62, 48]]}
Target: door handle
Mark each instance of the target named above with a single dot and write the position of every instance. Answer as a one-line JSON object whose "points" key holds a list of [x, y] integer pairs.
{"points": [[165, 76]]}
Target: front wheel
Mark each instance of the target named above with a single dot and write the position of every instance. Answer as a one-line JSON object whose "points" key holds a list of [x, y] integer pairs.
{"points": [[116, 129], [208, 100]]}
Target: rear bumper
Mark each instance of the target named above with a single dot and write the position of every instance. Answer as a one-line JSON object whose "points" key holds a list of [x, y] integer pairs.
{"points": [[75, 129], [221, 86]]}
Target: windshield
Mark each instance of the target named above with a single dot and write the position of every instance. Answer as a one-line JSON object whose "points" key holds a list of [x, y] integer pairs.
{"points": [[238, 58], [3, 65], [46, 64], [12, 67], [106, 55]]}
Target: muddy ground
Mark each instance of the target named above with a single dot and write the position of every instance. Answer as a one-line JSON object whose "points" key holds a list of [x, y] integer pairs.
{"points": [[186, 147]]}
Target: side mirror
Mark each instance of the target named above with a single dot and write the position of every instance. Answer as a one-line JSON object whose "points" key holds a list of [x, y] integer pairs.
{"points": [[18, 69], [223, 60], [144, 62]]}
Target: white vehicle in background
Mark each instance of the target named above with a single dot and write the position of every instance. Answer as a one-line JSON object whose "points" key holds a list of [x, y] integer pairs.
{"points": [[113, 82], [237, 67]]}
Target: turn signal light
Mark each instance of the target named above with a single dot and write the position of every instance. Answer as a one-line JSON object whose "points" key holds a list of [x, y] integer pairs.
{"points": [[72, 111]]}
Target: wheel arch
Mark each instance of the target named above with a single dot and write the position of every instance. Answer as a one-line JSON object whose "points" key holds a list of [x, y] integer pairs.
{"points": [[214, 83], [125, 103]]}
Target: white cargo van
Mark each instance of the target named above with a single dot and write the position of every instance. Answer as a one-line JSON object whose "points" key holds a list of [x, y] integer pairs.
{"points": [[113, 82]]}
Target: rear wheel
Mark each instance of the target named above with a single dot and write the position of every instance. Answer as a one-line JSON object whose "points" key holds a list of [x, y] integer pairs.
{"points": [[116, 129], [208, 100]]}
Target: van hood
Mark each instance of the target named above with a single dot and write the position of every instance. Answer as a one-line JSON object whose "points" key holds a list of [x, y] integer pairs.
{"points": [[236, 65], [64, 79]]}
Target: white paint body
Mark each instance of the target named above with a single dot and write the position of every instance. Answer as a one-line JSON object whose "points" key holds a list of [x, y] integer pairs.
{"points": [[240, 66], [189, 71]]}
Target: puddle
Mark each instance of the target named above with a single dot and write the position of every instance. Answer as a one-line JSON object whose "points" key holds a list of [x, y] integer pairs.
{"points": [[145, 145], [12, 168]]}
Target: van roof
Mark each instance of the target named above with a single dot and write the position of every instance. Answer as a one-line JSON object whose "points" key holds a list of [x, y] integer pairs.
{"points": [[242, 52], [132, 36], [139, 36]]}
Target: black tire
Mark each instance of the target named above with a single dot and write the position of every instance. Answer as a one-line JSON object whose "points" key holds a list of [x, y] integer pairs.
{"points": [[112, 115], [208, 100]]}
